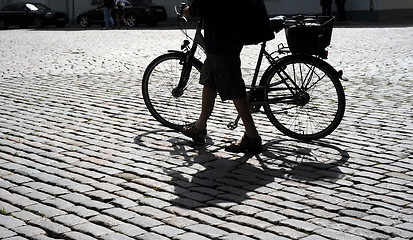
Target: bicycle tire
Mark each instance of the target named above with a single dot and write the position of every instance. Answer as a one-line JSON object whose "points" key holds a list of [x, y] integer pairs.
{"points": [[160, 78], [315, 109]]}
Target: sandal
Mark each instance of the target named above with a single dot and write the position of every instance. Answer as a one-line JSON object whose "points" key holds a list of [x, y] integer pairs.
{"points": [[246, 144], [197, 135]]}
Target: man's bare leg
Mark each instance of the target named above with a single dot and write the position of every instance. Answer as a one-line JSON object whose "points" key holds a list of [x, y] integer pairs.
{"points": [[198, 131], [244, 112], [251, 141], [208, 101]]}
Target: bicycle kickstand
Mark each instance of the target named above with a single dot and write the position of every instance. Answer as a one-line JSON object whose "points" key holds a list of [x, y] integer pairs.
{"points": [[234, 124]]}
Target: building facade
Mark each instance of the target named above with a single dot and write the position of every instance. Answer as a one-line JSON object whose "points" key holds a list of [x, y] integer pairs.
{"points": [[357, 10]]}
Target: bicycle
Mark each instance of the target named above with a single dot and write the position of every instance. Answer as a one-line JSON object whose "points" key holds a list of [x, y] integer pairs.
{"points": [[301, 94]]}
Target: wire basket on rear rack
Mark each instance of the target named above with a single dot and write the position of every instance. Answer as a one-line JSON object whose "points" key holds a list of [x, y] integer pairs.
{"points": [[309, 34]]}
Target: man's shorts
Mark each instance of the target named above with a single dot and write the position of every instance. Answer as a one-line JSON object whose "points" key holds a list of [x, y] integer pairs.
{"points": [[222, 72]]}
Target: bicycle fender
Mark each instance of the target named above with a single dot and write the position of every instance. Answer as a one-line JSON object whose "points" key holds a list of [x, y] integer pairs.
{"points": [[339, 73], [174, 51]]}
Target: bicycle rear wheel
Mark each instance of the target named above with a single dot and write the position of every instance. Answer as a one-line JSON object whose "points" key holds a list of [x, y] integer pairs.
{"points": [[306, 98], [159, 90]]}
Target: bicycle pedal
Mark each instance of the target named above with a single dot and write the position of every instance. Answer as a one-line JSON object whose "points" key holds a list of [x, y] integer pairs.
{"points": [[232, 125], [257, 109]]}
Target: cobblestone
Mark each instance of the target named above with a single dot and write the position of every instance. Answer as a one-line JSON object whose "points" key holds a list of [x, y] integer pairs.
{"points": [[77, 236], [129, 229], [5, 233], [92, 229], [29, 231], [45, 210], [206, 230], [10, 222], [52, 228], [25, 215], [145, 222], [81, 158], [190, 236], [69, 220]]}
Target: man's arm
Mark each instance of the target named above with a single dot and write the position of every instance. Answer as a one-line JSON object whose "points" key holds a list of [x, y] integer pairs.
{"points": [[193, 9]]}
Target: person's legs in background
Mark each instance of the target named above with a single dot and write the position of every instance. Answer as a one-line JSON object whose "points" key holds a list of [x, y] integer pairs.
{"points": [[106, 17]]}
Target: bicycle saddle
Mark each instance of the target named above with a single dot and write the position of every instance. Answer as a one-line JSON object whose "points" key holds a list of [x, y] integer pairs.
{"points": [[277, 23]]}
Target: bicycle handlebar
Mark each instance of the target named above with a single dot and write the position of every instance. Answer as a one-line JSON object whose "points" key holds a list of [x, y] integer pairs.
{"points": [[180, 11]]}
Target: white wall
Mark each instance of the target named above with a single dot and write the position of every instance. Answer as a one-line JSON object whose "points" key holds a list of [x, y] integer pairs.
{"points": [[395, 4], [359, 5], [313, 6], [288, 7]]}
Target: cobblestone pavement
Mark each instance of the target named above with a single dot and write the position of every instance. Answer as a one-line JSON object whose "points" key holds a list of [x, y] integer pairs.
{"points": [[82, 158]]}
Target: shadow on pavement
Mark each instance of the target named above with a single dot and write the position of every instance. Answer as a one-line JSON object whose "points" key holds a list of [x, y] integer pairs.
{"points": [[208, 176]]}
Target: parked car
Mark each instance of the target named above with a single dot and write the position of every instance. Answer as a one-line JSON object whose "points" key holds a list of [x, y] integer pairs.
{"points": [[136, 12], [31, 14]]}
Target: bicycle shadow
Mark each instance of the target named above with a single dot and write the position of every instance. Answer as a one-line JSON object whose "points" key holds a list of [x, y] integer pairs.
{"points": [[208, 176], [307, 160]]}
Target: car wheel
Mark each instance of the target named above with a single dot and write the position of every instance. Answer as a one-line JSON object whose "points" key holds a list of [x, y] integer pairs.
{"points": [[131, 21], [84, 22], [38, 22], [3, 25], [151, 24]]}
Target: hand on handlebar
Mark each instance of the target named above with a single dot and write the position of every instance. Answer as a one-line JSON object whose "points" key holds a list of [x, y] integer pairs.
{"points": [[186, 13]]}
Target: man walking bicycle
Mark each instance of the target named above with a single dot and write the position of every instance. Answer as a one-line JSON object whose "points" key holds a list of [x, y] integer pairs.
{"points": [[228, 26]]}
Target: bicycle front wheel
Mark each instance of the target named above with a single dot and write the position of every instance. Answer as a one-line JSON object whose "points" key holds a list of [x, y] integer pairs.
{"points": [[172, 107], [305, 97]]}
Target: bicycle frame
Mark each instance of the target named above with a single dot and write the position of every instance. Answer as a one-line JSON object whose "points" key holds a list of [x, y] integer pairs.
{"points": [[188, 53]]}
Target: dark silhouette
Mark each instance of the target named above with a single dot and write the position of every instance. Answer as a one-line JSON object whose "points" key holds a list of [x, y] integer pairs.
{"points": [[228, 25], [108, 5], [120, 12], [326, 6], [341, 9]]}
